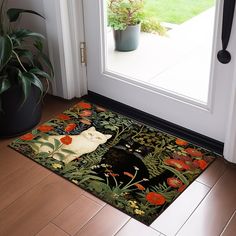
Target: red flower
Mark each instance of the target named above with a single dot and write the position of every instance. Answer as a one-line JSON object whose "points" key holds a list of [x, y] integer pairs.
{"points": [[113, 174], [181, 142], [139, 186], [178, 164], [63, 117], [66, 140], [100, 109], [193, 152], [45, 128], [200, 163], [174, 182], [85, 113], [70, 127], [27, 137], [84, 105], [155, 198], [86, 122], [128, 174], [182, 188]]}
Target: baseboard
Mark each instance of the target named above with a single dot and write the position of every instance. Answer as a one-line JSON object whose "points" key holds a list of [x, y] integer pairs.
{"points": [[156, 122]]}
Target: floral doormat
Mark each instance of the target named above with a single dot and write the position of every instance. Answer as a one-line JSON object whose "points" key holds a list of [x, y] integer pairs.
{"points": [[134, 167]]}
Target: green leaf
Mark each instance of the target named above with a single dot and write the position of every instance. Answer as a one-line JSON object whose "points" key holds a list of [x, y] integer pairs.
{"points": [[24, 33], [28, 79], [177, 173], [68, 151], [47, 144], [25, 53], [4, 84], [57, 143], [47, 62], [26, 85], [6, 49], [14, 13], [41, 73]]}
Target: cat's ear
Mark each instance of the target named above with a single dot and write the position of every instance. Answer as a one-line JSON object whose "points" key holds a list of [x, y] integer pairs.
{"points": [[92, 128], [108, 136]]}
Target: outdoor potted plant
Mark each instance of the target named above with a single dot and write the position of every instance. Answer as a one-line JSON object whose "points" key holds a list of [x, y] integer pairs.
{"points": [[125, 17], [25, 72]]}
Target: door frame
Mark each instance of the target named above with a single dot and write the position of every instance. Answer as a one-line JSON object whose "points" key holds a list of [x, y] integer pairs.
{"points": [[63, 41]]}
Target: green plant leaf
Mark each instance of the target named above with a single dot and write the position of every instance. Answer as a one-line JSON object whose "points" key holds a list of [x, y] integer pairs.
{"points": [[41, 73], [24, 33], [25, 53], [6, 49], [14, 13], [47, 62], [26, 85], [4, 84]]}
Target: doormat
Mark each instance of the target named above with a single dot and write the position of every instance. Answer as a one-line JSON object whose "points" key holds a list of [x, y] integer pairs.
{"points": [[136, 168]]}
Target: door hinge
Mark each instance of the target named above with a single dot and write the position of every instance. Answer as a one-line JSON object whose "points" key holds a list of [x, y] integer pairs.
{"points": [[83, 56]]}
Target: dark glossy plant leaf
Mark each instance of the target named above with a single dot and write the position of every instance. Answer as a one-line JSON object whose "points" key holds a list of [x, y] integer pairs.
{"points": [[40, 73], [14, 13], [4, 84], [47, 62], [24, 33], [26, 85], [39, 45], [25, 53], [6, 48]]}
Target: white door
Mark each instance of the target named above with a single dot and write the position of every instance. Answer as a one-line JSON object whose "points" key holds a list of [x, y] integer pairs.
{"points": [[208, 119]]}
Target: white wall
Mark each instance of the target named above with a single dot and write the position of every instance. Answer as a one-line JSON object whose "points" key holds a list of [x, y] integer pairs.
{"points": [[29, 21]]}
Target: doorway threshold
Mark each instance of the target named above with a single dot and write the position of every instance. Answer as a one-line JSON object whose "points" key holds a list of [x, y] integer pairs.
{"points": [[156, 122]]}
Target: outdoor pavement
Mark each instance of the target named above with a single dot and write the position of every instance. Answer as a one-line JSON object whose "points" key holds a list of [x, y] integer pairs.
{"points": [[178, 63]]}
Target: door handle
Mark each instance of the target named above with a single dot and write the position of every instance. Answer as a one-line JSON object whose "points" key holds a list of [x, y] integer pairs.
{"points": [[228, 16]]}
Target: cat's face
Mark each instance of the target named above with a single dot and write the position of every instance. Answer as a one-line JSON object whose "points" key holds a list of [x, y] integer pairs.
{"points": [[95, 136], [134, 147]]}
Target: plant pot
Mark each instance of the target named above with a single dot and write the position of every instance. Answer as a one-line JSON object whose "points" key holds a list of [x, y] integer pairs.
{"points": [[16, 119], [128, 39]]}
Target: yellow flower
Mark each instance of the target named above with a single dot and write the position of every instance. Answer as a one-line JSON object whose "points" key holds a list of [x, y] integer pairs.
{"points": [[56, 166], [139, 212], [133, 204]]}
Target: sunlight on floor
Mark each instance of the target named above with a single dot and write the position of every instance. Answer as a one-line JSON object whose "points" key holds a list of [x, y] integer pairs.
{"points": [[179, 62]]}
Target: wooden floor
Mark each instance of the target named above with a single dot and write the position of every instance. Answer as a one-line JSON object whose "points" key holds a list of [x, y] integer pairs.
{"points": [[35, 201]]}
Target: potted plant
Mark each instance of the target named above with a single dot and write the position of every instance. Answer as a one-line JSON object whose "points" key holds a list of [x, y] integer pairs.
{"points": [[125, 17], [25, 72]]}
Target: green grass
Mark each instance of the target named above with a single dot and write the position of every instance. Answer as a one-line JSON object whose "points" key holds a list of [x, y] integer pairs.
{"points": [[176, 11]]}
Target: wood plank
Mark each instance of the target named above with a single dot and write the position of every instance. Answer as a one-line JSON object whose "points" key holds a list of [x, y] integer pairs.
{"points": [[10, 161], [92, 197], [211, 175], [20, 181], [74, 217], [172, 219], [37, 207], [135, 228], [51, 230], [230, 228], [107, 222], [215, 210]]}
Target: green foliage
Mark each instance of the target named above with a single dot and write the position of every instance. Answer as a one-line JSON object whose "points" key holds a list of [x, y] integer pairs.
{"points": [[122, 13], [152, 25], [22, 60]]}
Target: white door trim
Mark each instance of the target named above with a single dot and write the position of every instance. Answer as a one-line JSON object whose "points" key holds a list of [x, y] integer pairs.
{"points": [[64, 25], [65, 31]]}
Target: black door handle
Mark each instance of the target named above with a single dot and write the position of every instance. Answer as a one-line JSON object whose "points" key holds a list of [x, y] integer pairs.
{"points": [[228, 16]]}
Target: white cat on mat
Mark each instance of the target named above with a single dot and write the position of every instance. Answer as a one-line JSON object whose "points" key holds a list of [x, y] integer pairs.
{"points": [[81, 144]]}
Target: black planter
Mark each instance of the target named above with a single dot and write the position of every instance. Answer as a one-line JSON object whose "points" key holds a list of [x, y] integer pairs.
{"points": [[16, 119], [128, 39]]}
